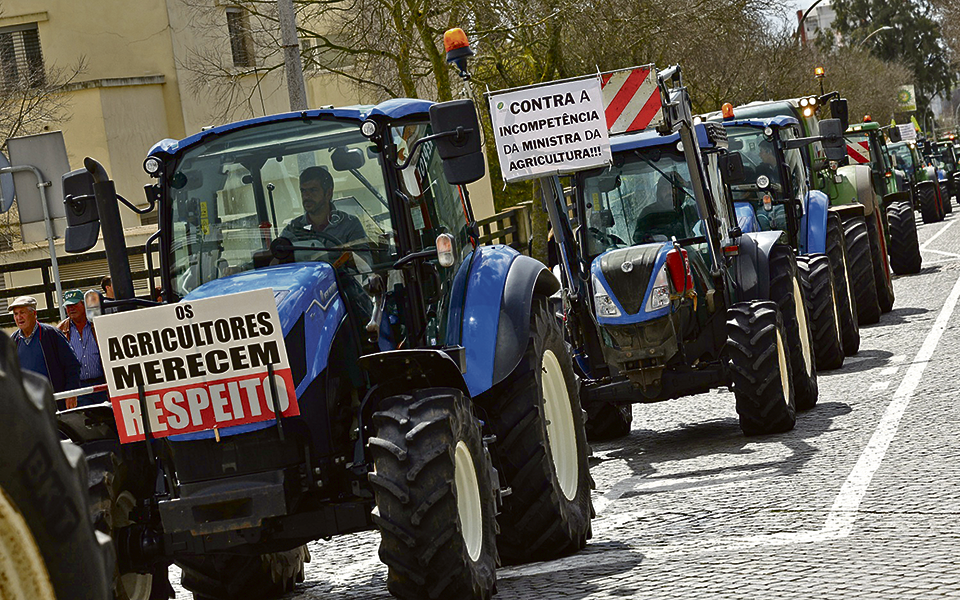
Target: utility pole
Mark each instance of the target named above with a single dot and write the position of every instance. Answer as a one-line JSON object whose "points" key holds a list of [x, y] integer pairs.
{"points": [[291, 55]]}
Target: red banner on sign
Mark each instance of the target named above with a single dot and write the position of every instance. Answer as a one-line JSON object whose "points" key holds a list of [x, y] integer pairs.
{"points": [[205, 405]]}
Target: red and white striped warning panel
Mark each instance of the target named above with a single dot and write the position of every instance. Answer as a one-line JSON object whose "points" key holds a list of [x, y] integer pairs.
{"points": [[631, 99], [859, 152]]}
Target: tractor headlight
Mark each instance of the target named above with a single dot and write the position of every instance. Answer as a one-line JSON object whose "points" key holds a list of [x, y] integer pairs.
{"points": [[660, 294], [152, 166], [604, 305]]}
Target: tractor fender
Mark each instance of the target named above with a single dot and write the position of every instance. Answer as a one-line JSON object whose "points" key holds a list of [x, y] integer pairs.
{"points": [[847, 211], [813, 223], [751, 265], [405, 370], [895, 197], [86, 424], [496, 312], [860, 178], [746, 217]]}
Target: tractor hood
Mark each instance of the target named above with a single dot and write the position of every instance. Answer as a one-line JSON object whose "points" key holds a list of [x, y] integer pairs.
{"points": [[627, 275], [310, 310]]}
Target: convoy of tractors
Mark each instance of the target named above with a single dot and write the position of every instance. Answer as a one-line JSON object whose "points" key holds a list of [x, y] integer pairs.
{"points": [[382, 371]]}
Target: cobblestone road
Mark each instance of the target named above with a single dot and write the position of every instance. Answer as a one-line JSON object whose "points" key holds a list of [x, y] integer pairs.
{"points": [[861, 500]]}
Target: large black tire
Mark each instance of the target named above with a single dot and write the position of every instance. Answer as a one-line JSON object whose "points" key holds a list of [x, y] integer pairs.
{"points": [[608, 421], [881, 264], [436, 505], [905, 256], [860, 270], [542, 448], [48, 548], [786, 290], [820, 295], [759, 367], [930, 210], [839, 262], [945, 198], [225, 576], [115, 489]]}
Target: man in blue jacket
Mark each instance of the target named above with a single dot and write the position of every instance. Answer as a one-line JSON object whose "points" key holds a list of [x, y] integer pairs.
{"points": [[43, 349]]}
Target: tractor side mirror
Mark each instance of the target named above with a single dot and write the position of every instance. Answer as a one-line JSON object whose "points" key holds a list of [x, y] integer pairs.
{"points": [[80, 206], [831, 134], [607, 183], [460, 146], [894, 134], [838, 110], [344, 159], [731, 168]]}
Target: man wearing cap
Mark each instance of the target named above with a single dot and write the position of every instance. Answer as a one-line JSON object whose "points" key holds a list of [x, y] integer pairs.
{"points": [[82, 338], [43, 349]]}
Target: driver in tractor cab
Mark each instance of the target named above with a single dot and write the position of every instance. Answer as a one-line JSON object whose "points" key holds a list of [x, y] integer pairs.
{"points": [[665, 218], [316, 194]]}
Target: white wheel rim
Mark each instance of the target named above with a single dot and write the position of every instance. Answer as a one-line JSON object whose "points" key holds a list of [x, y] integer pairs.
{"points": [[836, 312], [23, 574], [468, 501], [846, 276], [784, 374], [136, 585], [561, 434], [802, 322]]}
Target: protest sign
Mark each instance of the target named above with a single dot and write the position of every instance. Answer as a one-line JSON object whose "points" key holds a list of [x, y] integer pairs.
{"points": [[201, 365]]}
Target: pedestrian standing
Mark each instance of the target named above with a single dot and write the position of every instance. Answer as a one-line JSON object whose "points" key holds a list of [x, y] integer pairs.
{"points": [[82, 338], [43, 349], [106, 284]]}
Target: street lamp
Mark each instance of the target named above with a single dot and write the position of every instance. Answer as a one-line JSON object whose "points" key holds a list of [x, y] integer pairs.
{"points": [[873, 33]]}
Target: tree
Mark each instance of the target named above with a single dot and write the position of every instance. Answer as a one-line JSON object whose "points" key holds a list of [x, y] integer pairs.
{"points": [[915, 40]]}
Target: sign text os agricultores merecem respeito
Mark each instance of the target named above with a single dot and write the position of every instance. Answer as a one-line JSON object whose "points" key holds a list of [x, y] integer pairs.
{"points": [[201, 367], [556, 128]]}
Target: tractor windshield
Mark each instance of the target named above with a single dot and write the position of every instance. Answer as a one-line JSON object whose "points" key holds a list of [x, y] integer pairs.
{"points": [[764, 187], [315, 183], [902, 158], [645, 197]]}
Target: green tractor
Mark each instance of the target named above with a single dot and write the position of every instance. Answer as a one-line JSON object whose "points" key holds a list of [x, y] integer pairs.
{"points": [[852, 197], [920, 179], [866, 145]]}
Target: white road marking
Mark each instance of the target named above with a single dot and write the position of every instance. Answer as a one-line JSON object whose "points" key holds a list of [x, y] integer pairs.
{"points": [[943, 253], [888, 371], [898, 358], [936, 235], [845, 510], [879, 386]]}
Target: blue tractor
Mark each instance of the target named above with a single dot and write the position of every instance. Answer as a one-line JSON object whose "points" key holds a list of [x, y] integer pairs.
{"points": [[438, 401], [776, 196], [664, 295]]}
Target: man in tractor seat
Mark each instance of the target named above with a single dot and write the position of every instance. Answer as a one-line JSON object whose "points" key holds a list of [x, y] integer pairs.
{"points": [[320, 217], [666, 218]]}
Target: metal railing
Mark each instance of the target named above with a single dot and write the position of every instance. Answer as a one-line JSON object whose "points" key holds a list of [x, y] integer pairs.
{"points": [[47, 288], [510, 227]]}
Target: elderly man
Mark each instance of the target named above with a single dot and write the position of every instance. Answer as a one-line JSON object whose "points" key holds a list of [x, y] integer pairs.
{"points": [[43, 349], [83, 341]]}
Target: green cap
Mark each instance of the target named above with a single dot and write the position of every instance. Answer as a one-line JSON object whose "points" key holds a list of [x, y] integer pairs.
{"points": [[72, 297]]}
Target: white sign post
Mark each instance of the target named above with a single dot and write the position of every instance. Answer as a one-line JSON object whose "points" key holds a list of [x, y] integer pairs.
{"points": [[550, 129], [202, 364]]}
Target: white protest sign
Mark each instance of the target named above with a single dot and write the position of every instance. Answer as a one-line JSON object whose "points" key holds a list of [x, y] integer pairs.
{"points": [[202, 365], [550, 129], [907, 132]]}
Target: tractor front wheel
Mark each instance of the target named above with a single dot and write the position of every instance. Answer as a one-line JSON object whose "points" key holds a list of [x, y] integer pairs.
{"points": [[860, 267], [881, 263], [786, 291], [905, 256], [821, 297], [847, 304]]}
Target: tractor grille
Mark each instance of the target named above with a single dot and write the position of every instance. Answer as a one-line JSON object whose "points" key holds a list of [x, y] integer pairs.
{"points": [[629, 287]]}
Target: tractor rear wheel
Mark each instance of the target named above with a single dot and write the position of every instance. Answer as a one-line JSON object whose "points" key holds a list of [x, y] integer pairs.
{"points": [[821, 297], [225, 576], [759, 366], [860, 270], [608, 421], [881, 263], [905, 256], [542, 446], [434, 485], [927, 197], [839, 263], [48, 549], [786, 291]]}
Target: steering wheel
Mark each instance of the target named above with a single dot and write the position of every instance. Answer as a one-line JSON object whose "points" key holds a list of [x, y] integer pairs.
{"points": [[643, 233], [608, 239]]}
